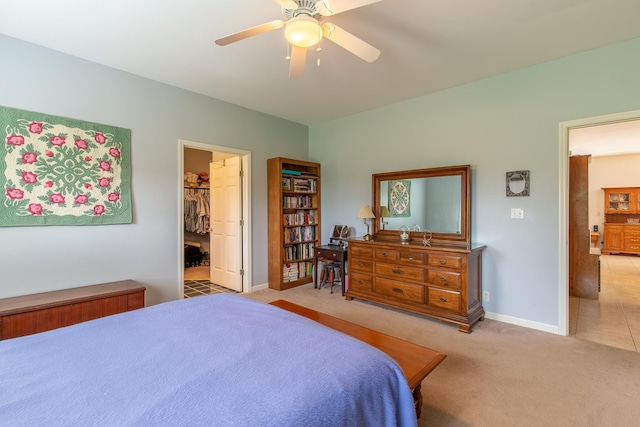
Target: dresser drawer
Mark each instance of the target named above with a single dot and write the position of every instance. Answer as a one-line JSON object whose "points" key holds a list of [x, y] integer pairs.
{"points": [[632, 229], [447, 300], [360, 282], [631, 240], [631, 233], [418, 258], [395, 289], [400, 272], [632, 244], [385, 254], [360, 251], [613, 226], [449, 261], [358, 264], [445, 279]]}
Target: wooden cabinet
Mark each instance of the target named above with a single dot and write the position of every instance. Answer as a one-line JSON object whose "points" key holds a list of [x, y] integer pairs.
{"points": [[441, 282], [613, 237], [622, 220], [622, 200], [30, 314], [294, 220]]}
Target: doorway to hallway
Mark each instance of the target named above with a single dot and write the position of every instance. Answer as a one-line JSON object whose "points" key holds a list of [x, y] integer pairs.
{"points": [[565, 152]]}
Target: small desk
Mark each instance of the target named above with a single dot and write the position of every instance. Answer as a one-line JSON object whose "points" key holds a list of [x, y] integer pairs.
{"points": [[416, 361], [334, 253]]}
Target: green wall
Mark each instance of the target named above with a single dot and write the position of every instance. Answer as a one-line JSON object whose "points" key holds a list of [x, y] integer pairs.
{"points": [[505, 123]]}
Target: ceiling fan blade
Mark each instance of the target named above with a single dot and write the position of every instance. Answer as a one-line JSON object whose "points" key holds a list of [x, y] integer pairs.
{"points": [[350, 42], [332, 7], [254, 31], [287, 4], [298, 58]]}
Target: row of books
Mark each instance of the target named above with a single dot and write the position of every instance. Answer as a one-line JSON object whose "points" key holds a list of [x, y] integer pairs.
{"points": [[297, 202], [296, 271], [299, 218], [300, 234], [299, 251], [300, 185]]}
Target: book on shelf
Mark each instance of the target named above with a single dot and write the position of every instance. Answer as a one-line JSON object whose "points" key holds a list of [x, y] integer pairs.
{"points": [[299, 218], [286, 184], [291, 172]]}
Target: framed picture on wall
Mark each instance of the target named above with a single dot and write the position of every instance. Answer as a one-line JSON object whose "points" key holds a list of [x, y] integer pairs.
{"points": [[400, 198]]}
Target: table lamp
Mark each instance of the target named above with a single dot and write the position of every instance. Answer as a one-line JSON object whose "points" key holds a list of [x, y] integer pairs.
{"points": [[384, 213], [366, 213]]}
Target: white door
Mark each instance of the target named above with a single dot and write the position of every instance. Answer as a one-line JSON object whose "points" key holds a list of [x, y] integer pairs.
{"points": [[226, 229]]}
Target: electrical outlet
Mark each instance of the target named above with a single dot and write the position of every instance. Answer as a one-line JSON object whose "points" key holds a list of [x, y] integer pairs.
{"points": [[485, 296]]}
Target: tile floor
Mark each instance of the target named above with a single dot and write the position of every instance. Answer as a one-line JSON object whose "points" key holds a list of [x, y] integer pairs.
{"points": [[614, 318], [197, 288]]}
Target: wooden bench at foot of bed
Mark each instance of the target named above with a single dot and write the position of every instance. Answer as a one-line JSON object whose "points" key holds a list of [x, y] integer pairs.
{"points": [[416, 361]]}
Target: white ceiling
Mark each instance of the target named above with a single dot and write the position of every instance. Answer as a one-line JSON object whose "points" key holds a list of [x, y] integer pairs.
{"points": [[427, 45], [612, 139]]}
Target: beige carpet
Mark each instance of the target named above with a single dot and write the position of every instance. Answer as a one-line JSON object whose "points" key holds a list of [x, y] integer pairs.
{"points": [[501, 375], [197, 273]]}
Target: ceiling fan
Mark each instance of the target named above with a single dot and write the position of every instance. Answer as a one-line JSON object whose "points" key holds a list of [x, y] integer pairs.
{"points": [[304, 27]]}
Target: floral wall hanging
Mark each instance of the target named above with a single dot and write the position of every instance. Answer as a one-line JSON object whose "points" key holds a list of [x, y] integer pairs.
{"points": [[60, 171], [400, 198]]}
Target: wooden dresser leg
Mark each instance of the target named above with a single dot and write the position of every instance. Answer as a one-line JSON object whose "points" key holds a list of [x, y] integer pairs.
{"points": [[417, 399]]}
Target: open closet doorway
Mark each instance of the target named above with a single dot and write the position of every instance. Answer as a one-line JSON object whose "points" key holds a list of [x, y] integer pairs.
{"points": [[214, 219], [565, 152]]}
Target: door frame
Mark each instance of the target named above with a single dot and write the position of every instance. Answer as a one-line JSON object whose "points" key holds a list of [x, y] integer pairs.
{"points": [[245, 158], [563, 252]]}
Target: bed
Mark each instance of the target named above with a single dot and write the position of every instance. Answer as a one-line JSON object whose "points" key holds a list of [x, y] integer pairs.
{"points": [[222, 360]]}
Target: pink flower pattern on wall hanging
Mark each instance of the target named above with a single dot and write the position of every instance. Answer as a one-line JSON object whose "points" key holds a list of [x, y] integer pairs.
{"points": [[60, 171]]}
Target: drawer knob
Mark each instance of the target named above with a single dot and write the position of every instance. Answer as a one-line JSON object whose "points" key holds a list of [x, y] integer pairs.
{"points": [[398, 290], [359, 251], [411, 258], [443, 299], [397, 271], [360, 282], [443, 279], [360, 265], [384, 254], [443, 262]]}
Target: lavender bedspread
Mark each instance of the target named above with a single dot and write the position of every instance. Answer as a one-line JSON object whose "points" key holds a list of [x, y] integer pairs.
{"points": [[220, 360]]}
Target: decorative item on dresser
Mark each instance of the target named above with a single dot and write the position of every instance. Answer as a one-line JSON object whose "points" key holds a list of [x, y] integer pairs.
{"points": [[439, 276], [293, 188], [622, 220], [30, 314]]}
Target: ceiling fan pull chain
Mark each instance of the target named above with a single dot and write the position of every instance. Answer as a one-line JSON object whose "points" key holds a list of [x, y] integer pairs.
{"points": [[288, 57], [318, 48]]}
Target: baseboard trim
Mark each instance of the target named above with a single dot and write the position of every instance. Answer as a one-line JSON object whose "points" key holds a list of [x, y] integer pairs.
{"points": [[260, 287], [553, 329]]}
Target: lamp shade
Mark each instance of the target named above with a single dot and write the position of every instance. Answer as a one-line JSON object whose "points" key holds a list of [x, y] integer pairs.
{"points": [[366, 212], [384, 212], [303, 31]]}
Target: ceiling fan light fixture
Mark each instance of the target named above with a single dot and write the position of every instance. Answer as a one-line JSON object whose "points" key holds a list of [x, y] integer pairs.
{"points": [[303, 31]]}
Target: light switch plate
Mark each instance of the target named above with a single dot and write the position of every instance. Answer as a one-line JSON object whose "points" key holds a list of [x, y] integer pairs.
{"points": [[517, 213]]}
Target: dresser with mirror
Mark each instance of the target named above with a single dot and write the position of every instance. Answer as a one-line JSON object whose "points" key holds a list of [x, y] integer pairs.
{"points": [[421, 258]]}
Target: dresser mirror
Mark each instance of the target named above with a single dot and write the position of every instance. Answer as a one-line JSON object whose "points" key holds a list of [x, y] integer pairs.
{"points": [[433, 201]]}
